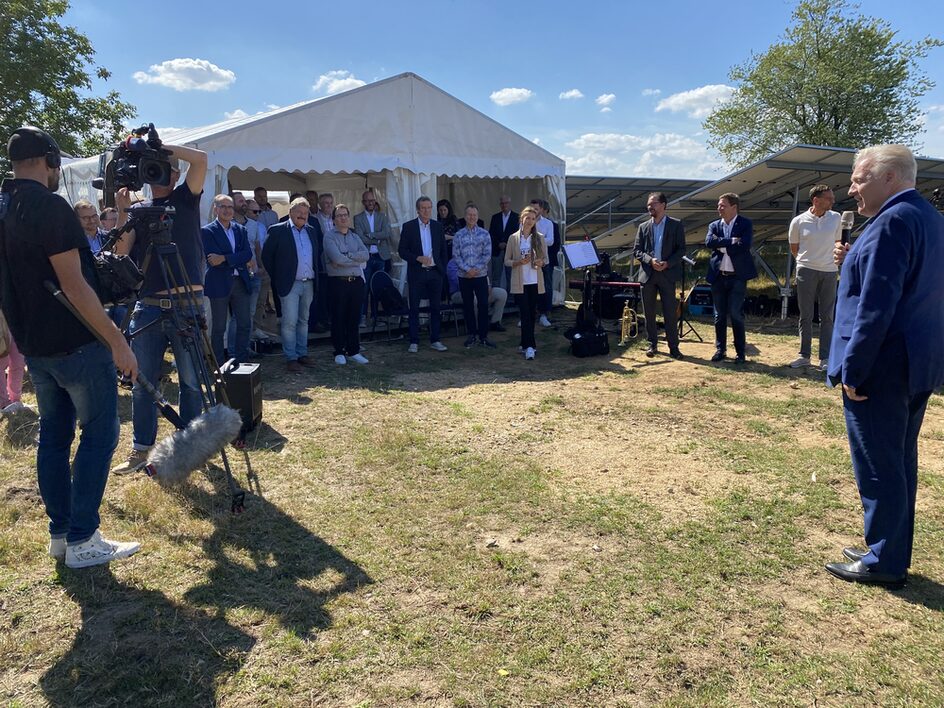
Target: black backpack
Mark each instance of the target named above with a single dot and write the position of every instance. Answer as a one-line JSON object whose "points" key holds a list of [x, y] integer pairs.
{"points": [[390, 299]]}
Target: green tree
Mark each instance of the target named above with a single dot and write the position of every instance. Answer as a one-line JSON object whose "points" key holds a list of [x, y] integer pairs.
{"points": [[45, 80], [835, 78]]}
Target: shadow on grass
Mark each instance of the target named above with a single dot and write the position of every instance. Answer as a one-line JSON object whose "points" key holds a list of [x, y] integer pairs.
{"points": [[137, 647], [264, 560], [921, 590]]}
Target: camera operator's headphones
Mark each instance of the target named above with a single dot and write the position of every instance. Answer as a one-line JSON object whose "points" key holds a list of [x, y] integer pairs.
{"points": [[29, 134]]}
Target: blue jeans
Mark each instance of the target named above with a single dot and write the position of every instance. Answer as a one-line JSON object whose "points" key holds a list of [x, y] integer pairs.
{"points": [[238, 299], [149, 347], [375, 264], [79, 388], [727, 293], [294, 329], [423, 284]]}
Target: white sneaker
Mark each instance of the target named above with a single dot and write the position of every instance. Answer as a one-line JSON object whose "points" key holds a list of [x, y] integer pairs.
{"points": [[98, 550], [340, 360], [438, 346], [519, 324], [359, 358], [529, 353], [363, 323], [57, 548], [413, 348], [136, 460], [544, 321], [799, 362]]}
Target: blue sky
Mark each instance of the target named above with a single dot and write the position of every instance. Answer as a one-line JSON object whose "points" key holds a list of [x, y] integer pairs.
{"points": [[644, 73]]}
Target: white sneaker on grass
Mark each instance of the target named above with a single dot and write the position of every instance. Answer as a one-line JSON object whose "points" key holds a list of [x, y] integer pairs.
{"points": [[98, 550], [529, 353], [57, 548], [359, 358], [413, 348], [800, 362], [340, 360], [438, 346], [544, 321]]}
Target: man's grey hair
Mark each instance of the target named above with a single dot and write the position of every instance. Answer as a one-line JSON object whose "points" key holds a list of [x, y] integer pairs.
{"points": [[299, 201], [892, 158], [220, 198]]}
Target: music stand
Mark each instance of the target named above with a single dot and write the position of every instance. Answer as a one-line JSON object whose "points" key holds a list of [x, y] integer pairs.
{"points": [[684, 324]]}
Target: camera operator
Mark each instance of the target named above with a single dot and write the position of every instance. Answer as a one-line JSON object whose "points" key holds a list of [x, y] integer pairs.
{"points": [[73, 373], [157, 300]]}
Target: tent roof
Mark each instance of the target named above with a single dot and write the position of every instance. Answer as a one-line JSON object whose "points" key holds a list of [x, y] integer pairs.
{"points": [[400, 122], [767, 190]]}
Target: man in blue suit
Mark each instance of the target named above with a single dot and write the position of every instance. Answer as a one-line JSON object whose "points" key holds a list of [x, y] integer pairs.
{"points": [[888, 353], [730, 266], [423, 247], [227, 280], [290, 255]]}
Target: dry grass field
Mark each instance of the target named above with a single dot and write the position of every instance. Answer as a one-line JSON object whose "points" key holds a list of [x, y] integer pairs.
{"points": [[473, 529]]}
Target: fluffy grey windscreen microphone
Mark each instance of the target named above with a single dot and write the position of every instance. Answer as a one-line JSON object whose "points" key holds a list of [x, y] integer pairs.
{"points": [[173, 459]]}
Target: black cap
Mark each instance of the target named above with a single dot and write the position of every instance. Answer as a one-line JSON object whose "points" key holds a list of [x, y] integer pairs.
{"points": [[28, 142]]}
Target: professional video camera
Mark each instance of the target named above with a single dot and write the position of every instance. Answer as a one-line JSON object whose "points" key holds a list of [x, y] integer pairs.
{"points": [[119, 278], [132, 163]]}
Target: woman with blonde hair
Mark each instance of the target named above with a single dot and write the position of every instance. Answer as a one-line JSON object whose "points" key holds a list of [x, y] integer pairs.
{"points": [[525, 254]]}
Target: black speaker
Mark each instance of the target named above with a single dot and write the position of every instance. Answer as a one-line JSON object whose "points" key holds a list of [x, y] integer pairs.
{"points": [[244, 390]]}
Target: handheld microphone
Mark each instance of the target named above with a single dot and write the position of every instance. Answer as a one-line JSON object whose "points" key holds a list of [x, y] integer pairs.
{"points": [[847, 220]]}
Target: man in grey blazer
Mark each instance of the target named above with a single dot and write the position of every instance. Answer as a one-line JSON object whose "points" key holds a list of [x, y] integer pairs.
{"points": [[373, 226], [659, 247]]}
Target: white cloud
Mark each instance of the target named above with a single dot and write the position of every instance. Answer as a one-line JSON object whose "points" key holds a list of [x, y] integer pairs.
{"points": [[509, 96], [536, 141], [606, 109], [624, 154], [651, 92], [271, 106], [187, 75], [605, 99], [337, 81], [698, 102], [570, 95], [238, 113]]}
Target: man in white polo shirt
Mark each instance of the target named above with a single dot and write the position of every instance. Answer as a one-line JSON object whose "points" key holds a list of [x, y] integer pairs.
{"points": [[813, 235]]}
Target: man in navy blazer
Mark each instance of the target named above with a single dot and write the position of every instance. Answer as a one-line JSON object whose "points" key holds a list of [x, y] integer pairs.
{"points": [[290, 255], [659, 247], [887, 351], [423, 247], [730, 266], [227, 282], [503, 224]]}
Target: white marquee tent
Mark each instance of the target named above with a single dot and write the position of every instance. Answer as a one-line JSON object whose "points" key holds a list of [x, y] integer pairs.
{"points": [[401, 136]]}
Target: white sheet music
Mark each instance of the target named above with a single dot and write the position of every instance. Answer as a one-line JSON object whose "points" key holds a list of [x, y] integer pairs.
{"points": [[581, 254]]}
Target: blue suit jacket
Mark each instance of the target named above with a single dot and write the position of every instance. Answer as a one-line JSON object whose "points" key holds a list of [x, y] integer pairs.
{"points": [[218, 281], [411, 246], [280, 258], [744, 268], [891, 292]]}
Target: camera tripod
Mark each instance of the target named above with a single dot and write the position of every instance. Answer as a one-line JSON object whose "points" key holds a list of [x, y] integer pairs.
{"points": [[182, 308], [684, 323]]}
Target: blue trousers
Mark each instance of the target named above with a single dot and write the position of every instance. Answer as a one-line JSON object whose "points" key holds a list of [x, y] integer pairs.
{"points": [[238, 300], [77, 388], [727, 293], [883, 440], [295, 312]]}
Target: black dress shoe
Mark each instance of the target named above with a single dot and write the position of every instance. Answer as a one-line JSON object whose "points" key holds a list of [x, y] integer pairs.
{"points": [[718, 356], [676, 354], [858, 572], [740, 359], [651, 351], [496, 327], [854, 554]]}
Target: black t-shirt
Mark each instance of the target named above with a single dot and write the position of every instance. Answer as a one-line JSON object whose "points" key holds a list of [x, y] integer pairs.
{"points": [[185, 233], [40, 224]]}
